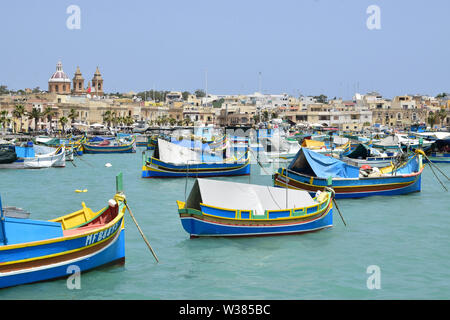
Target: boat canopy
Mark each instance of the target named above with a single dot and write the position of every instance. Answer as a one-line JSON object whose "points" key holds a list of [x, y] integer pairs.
{"points": [[315, 164], [389, 141], [242, 196], [362, 151], [173, 153], [312, 143]]}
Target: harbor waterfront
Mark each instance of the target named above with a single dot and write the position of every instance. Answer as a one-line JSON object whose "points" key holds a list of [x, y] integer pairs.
{"points": [[405, 236]]}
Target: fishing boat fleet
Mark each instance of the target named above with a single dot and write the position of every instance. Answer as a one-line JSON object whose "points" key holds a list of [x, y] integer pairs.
{"points": [[316, 169]]}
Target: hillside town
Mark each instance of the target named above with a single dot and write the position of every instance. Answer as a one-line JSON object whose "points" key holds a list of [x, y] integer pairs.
{"points": [[71, 104]]}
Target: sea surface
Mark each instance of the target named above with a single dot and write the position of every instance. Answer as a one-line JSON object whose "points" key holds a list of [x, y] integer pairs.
{"points": [[405, 239]]}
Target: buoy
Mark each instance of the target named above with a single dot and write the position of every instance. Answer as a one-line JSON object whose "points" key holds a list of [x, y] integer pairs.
{"points": [[108, 165], [79, 191]]}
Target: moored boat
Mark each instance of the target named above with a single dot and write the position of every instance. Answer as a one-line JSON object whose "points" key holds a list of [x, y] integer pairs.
{"points": [[31, 157], [311, 171], [35, 250], [110, 146], [230, 209], [172, 160]]}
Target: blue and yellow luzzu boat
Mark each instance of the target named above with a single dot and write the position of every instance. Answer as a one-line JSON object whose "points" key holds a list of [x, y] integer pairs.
{"points": [[312, 171], [230, 209], [171, 160], [110, 147], [33, 250]]}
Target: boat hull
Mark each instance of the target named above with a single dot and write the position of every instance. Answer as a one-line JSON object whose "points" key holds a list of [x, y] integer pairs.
{"points": [[86, 257], [157, 169], [352, 188], [93, 149], [206, 227]]}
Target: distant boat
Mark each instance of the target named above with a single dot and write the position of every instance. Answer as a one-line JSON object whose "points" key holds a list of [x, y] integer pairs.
{"points": [[229, 209], [110, 146], [439, 151], [312, 171], [31, 157], [35, 250], [173, 160], [364, 155]]}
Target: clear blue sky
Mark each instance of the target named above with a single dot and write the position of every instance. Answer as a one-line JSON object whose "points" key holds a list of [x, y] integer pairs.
{"points": [[311, 46]]}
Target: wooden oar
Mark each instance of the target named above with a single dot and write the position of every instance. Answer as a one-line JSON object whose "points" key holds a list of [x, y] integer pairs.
{"points": [[335, 203], [139, 228], [333, 193]]}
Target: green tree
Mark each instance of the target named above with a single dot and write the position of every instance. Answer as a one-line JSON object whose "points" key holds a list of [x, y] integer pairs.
{"points": [[431, 119], [72, 115], [63, 120], [185, 95], [218, 103], [199, 93], [321, 98], [4, 119], [18, 113], [107, 117], [35, 114], [4, 89], [49, 113], [441, 115]]}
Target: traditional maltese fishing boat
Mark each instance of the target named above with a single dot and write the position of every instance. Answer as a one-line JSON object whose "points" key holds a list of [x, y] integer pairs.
{"points": [[227, 209], [173, 160], [35, 250], [312, 171], [124, 145]]}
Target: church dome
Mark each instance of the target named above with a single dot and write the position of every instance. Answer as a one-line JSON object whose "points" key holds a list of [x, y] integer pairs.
{"points": [[59, 75]]}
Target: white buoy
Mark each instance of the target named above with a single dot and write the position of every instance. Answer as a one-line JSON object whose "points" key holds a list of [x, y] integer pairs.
{"points": [[108, 165]]}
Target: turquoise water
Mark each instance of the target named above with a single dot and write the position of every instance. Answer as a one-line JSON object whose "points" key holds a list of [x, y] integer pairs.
{"points": [[407, 237]]}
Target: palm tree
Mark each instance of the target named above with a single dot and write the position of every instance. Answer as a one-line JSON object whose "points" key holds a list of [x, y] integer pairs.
{"points": [[72, 116], [442, 114], [107, 117], [4, 119], [265, 115], [35, 114], [128, 120], [49, 113], [186, 121], [431, 119], [172, 121], [63, 120], [18, 113]]}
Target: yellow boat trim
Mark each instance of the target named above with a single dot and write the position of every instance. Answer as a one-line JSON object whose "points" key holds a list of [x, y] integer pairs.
{"points": [[42, 242]]}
